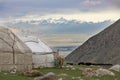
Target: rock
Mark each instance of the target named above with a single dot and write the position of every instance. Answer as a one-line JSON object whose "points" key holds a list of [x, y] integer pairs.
{"points": [[32, 73], [60, 79], [73, 68], [102, 72], [89, 72], [69, 66], [73, 77], [36, 73], [115, 68], [49, 76], [13, 70], [5, 73], [77, 78]]}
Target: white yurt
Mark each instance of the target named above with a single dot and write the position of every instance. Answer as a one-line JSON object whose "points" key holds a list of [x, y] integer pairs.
{"points": [[42, 54], [14, 54]]}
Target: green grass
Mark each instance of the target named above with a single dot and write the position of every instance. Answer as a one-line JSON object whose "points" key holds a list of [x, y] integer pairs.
{"points": [[76, 74], [8, 76]]}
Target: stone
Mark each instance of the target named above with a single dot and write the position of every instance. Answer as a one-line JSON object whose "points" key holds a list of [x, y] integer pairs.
{"points": [[60, 79], [102, 72], [48, 76], [89, 72], [32, 73], [13, 70], [115, 68]]}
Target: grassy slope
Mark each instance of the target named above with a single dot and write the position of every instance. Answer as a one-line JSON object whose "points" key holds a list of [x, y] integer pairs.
{"points": [[71, 74]]}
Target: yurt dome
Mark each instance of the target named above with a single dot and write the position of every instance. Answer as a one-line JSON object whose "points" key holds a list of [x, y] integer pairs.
{"points": [[36, 45]]}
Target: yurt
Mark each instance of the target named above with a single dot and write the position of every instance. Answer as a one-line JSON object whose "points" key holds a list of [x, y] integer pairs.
{"points": [[42, 54], [13, 52]]}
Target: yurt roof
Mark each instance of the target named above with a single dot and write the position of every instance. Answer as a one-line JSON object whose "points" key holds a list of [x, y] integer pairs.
{"points": [[37, 45], [8, 40]]}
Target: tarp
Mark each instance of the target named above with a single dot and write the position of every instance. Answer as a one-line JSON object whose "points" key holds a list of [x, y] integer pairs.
{"points": [[43, 60], [37, 45], [42, 54]]}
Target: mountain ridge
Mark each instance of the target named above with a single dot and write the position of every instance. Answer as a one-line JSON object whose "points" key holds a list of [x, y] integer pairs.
{"points": [[101, 48]]}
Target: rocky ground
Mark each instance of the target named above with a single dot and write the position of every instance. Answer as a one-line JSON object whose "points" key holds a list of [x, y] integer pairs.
{"points": [[66, 73]]}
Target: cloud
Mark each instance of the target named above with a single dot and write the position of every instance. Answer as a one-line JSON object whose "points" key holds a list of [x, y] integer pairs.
{"points": [[115, 2], [60, 26], [81, 16], [90, 2], [60, 39], [19, 8], [100, 5]]}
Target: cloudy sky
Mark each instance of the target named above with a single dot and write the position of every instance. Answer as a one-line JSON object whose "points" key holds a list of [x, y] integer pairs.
{"points": [[84, 10], [54, 20]]}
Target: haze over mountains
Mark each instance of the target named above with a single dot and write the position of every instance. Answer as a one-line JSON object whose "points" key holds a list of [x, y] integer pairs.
{"points": [[60, 26], [58, 29]]}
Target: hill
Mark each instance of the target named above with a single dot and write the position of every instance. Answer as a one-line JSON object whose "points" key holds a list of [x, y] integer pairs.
{"points": [[103, 48]]}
